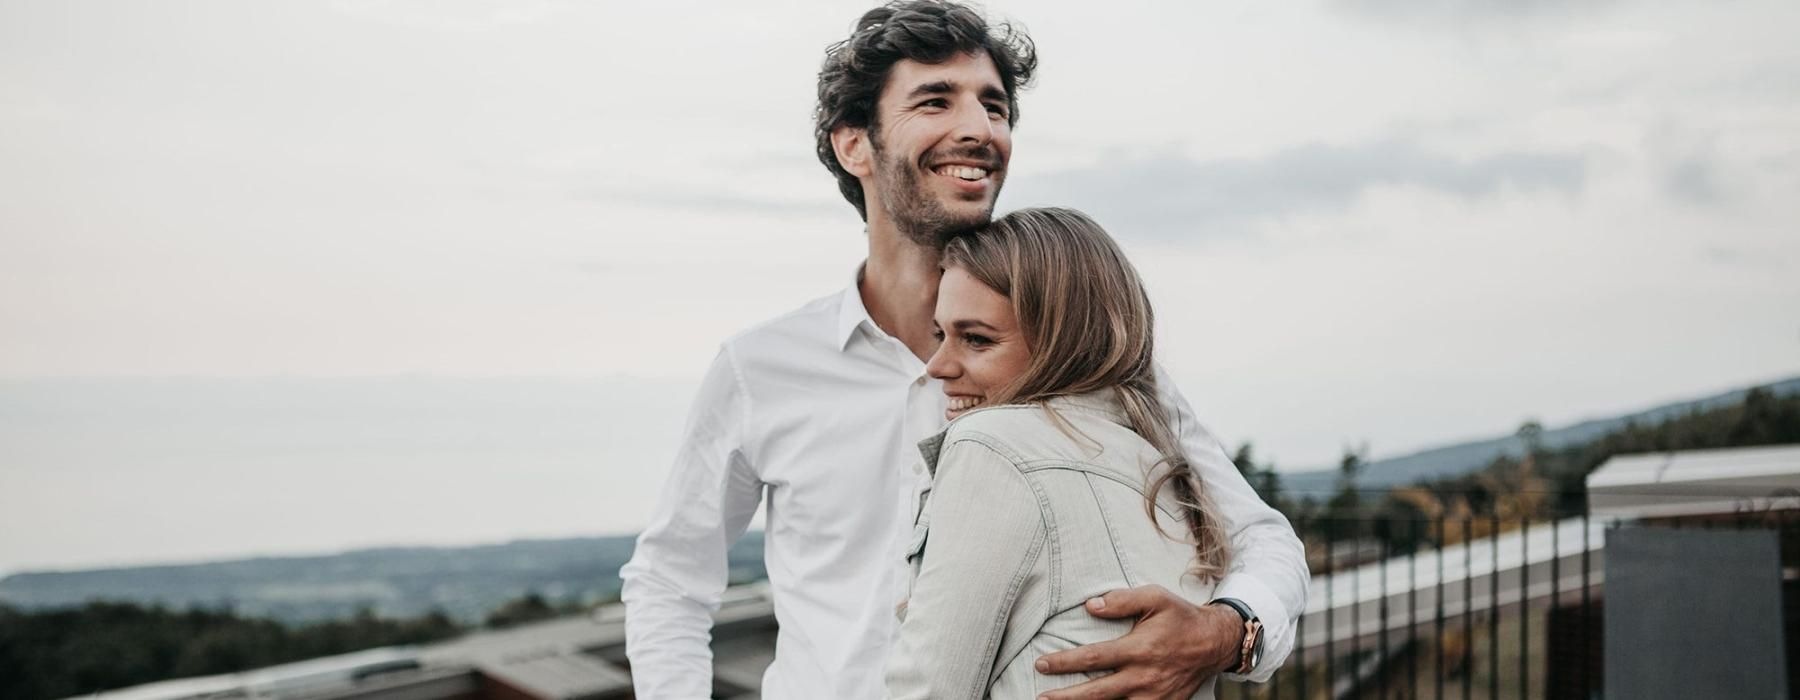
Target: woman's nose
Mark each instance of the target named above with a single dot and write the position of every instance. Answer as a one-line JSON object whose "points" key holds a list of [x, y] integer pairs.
{"points": [[941, 366]]}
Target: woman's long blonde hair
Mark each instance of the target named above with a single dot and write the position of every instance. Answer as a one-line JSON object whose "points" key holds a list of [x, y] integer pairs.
{"points": [[1087, 320]]}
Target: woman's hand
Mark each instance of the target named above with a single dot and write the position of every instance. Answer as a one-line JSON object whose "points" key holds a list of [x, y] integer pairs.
{"points": [[1171, 651]]}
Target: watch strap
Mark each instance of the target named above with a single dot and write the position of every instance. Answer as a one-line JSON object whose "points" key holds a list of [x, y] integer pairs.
{"points": [[1251, 651]]}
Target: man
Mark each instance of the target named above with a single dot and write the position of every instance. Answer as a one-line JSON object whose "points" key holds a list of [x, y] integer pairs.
{"points": [[816, 414]]}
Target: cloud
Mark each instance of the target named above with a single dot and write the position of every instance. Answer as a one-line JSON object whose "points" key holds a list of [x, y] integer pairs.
{"points": [[1687, 164], [1173, 196], [452, 17], [1463, 10], [695, 199], [1694, 180]]}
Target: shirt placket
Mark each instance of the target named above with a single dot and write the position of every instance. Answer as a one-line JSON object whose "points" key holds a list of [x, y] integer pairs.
{"points": [[924, 417]]}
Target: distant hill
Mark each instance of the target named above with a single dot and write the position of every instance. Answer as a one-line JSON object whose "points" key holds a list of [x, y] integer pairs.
{"points": [[463, 582], [1457, 460]]}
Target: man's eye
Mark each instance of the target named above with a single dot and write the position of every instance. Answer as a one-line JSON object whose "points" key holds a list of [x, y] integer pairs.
{"points": [[935, 104], [937, 336], [997, 111]]}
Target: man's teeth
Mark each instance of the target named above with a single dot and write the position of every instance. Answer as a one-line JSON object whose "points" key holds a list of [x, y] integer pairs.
{"points": [[964, 403], [963, 171]]}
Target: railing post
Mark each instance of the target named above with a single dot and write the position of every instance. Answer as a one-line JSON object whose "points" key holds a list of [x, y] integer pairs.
{"points": [[1330, 609], [1468, 604], [1524, 605], [1438, 641], [1412, 609], [1355, 603], [1386, 535], [1494, 608], [1555, 580], [1587, 627]]}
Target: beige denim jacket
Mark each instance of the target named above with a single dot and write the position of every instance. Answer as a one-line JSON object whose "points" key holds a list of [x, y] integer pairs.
{"points": [[1024, 522]]}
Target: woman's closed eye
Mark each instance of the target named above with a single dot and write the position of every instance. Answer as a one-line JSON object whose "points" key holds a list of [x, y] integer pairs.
{"points": [[976, 340]]}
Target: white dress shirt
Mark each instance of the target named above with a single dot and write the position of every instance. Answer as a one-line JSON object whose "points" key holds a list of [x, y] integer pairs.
{"points": [[817, 415]]}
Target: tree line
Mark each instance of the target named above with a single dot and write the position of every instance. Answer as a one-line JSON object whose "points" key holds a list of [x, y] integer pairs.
{"points": [[103, 645], [1539, 484]]}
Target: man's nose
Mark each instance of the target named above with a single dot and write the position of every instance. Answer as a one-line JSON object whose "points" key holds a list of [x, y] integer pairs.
{"points": [[973, 124]]}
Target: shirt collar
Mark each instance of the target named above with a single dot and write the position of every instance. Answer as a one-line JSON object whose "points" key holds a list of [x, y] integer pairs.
{"points": [[851, 312]]}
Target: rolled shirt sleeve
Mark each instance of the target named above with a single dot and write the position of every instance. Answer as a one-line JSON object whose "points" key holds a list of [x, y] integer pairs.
{"points": [[678, 571], [1268, 567]]}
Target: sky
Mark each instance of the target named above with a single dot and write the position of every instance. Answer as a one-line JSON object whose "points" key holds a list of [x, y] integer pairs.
{"points": [[1362, 221]]}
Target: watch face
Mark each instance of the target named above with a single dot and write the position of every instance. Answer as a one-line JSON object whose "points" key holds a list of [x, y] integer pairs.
{"points": [[1256, 644]]}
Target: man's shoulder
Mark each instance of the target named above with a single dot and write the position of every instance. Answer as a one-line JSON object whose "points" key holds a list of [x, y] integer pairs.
{"points": [[809, 326]]}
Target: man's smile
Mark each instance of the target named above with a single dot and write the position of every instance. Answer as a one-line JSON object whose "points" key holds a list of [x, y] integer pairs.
{"points": [[967, 178], [962, 171]]}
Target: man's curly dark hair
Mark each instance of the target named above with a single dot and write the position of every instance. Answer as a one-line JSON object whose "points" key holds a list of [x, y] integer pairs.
{"points": [[927, 31]]}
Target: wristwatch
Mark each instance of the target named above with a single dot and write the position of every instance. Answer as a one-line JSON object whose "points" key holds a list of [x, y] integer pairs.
{"points": [[1251, 653]]}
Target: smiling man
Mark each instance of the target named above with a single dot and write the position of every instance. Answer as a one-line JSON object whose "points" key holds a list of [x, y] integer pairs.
{"points": [[816, 415]]}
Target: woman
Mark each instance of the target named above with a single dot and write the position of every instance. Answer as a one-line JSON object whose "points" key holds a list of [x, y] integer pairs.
{"points": [[1057, 479]]}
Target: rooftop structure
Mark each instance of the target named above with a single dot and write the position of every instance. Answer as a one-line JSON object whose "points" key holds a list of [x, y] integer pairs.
{"points": [[1696, 482]]}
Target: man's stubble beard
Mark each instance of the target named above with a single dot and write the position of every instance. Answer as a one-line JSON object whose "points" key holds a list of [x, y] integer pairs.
{"points": [[919, 216]]}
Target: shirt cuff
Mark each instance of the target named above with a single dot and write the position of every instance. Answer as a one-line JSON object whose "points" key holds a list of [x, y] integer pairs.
{"points": [[1274, 618]]}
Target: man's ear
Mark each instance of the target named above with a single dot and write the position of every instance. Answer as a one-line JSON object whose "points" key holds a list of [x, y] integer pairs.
{"points": [[854, 153]]}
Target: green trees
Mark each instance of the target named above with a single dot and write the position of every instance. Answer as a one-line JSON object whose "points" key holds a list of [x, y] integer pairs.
{"points": [[1262, 477], [530, 607], [103, 645], [63, 652], [1540, 482]]}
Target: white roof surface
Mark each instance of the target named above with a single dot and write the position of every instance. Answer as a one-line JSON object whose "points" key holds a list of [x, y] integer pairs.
{"points": [[1744, 479]]}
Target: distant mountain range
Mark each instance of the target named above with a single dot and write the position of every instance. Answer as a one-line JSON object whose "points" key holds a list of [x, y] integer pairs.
{"points": [[468, 582], [1457, 460], [463, 582]]}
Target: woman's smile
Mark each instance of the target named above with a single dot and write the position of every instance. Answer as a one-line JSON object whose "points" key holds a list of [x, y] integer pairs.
{"points": [[960, 404]]}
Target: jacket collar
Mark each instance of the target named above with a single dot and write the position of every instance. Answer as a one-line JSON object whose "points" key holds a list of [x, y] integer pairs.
{"points": [[1103, 403]]}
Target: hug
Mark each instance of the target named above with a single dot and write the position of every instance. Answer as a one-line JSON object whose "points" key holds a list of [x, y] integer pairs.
{"points": [[977, 481]]}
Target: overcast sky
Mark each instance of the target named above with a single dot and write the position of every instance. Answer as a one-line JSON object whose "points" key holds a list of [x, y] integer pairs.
{"points": [[1371, 220]]}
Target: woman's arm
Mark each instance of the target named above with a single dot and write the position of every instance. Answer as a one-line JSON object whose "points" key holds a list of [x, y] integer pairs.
{"points": [[986, 534]]}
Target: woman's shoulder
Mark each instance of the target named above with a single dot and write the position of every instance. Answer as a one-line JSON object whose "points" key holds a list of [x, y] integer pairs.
{"points": [[1001, 429], [1035, 432], [998, 423]]}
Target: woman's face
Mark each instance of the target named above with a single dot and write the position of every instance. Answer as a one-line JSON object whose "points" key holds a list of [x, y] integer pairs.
{"points": [[981, 349]]}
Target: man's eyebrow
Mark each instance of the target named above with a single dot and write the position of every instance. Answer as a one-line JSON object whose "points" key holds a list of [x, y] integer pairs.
{"points": [[938, 87], [945, 87]]}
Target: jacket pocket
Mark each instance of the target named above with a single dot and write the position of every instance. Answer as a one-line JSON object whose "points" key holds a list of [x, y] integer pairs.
{"points": [[915, 551], [915, 548]]}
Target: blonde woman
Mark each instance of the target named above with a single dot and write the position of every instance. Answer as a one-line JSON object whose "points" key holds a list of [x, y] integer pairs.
{"points": [[1059, 477]]}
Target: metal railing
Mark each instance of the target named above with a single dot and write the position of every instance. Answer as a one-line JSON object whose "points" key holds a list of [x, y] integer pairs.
{"points": [[1461, 607]]}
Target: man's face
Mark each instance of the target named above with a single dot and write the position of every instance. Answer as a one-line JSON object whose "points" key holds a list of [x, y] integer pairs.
{"points": [[941, 146]]}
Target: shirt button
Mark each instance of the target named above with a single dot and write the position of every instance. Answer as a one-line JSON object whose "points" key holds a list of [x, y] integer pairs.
{"points": [[918, 468]]}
